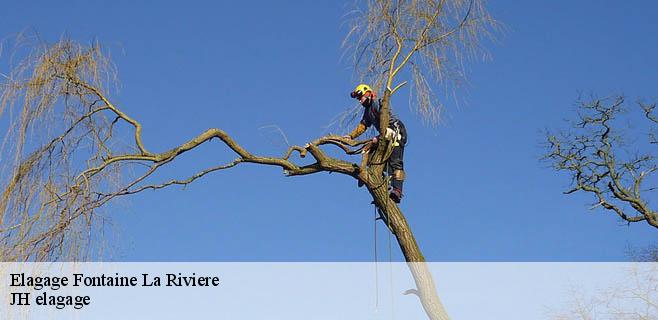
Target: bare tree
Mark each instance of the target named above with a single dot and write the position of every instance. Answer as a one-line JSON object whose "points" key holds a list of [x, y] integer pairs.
{"points": [[68, 161], [634, 299], [643, 254], [604, 161]]}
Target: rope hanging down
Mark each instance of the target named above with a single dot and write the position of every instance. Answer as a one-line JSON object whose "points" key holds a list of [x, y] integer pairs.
{"points": [[380, 214]]}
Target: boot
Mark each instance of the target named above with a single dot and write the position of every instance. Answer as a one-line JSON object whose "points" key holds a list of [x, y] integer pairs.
{"points": [[396, 186], [396, 195]]}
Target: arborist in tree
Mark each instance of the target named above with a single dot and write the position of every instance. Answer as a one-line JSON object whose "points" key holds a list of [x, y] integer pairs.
{"points": [[395, 131]]}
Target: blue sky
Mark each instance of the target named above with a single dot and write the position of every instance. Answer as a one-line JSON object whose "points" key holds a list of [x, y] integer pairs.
{"points": [[476, 190]]}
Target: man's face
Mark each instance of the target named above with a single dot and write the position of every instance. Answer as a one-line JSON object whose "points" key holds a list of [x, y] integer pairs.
{"points": [[366, 99]]}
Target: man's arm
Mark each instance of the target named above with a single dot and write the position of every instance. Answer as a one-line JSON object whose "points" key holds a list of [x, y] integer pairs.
{"points": [[360, 129]]}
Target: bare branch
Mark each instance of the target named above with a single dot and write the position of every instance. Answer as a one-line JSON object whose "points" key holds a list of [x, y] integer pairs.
{"points": [[594, 158], [435, 36], [49, 201]]}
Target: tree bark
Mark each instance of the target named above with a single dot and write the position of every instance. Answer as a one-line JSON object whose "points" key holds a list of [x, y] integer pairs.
{"points": [[395, 220]]}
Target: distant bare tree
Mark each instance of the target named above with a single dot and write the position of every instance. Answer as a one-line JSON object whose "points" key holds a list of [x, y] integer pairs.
{"points": [[644, 254], [67, 159], [634, 299], [604, 161]]}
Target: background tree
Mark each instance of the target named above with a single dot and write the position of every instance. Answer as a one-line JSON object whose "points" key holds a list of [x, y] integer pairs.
{"points": [[635, 298], [644, 254], [604, 160], [67, 159]]}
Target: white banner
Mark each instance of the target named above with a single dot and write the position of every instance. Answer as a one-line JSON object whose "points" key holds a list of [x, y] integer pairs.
{"points": [[310, 290]]}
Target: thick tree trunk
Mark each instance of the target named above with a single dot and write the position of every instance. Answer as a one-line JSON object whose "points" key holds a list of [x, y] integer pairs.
{"points": [[425, 288]]}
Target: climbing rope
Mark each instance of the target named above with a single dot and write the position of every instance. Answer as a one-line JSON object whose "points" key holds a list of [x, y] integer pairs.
{"points": [[376, 266], [390, 247], [383, 215]]}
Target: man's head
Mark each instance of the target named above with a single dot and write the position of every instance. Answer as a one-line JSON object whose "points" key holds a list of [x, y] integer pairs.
{"points": [[363, 93]]}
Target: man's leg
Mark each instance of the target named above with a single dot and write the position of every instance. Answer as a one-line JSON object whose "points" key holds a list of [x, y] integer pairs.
{"points": [[396, 172]]}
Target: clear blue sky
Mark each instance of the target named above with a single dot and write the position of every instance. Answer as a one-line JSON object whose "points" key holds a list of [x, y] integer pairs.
{"points": [[475, 190]]}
